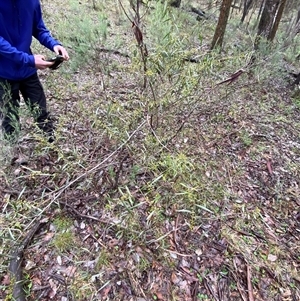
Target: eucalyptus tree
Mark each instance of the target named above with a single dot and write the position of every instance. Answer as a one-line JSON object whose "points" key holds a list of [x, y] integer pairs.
{"points": [[222, 23]]}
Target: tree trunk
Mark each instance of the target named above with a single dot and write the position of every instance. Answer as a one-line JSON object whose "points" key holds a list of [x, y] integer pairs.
{"points": [[174, 3], [278, 16], [266, 21], [222, 23], [262, 5], [246, 9]]}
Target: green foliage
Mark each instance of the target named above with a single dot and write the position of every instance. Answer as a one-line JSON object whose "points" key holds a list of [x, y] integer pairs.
{"points": [[103, 259], [168, 43], [64, 238], [246, 138], [62, 223], [174, 166], [85, 36], [64, 241], [202, 297]]}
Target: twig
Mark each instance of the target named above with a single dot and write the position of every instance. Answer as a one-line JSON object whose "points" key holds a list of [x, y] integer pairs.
{"points": [[80, 214], [85, 216], [194, 290], [162, 237], [104, 285], [113, 51], [177, 253], [209, 288], [133, 281], [252, 234], [240, 290], [135, 24], [232, 78], [150, 123], [131, 20], [175, 232], [249, 284]]}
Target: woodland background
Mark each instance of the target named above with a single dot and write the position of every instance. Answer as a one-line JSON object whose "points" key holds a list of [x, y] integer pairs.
{"points": [[175, 172]]}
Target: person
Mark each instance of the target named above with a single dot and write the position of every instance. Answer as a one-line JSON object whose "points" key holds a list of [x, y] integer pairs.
{"points": [[20, 21]]}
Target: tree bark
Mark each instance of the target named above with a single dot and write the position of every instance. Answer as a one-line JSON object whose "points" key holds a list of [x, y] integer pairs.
{"points": [[266, 20], [278, 16], [246, 9], [222, 23]]}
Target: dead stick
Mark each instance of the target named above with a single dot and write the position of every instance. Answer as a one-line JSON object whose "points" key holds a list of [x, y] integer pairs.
{"points": [[249, 284], [85, 216], [15, 265], [232, 78]]}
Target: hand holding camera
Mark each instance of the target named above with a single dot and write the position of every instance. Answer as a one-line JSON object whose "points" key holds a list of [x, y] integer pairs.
{"points": [[57, 61]]}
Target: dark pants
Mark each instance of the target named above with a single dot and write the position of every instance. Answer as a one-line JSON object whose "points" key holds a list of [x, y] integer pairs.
{"points": [[34, 97]]}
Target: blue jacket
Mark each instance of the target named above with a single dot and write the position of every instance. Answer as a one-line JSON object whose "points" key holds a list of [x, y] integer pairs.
{"points": [[20, 20]]}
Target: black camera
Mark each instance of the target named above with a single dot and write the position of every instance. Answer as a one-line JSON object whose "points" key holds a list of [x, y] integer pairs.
{"points": [[57, 61]]}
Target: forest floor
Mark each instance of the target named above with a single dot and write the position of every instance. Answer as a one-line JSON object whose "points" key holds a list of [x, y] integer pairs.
{"points": [[165, 185]]}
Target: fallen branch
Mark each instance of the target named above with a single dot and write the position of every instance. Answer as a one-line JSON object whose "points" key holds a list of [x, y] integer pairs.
{"points": [[233, 77], [15, 265]]}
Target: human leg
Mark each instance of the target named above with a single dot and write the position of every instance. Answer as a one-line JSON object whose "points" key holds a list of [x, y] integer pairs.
{"points": [[34, 96], [9, 107]]}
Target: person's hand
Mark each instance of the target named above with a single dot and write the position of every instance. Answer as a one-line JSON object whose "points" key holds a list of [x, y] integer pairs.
{"points": [[41, 63], [60, 50]]}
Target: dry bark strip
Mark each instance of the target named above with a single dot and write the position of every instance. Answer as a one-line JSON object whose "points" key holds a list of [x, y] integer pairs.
{"points": [[15, 265]]}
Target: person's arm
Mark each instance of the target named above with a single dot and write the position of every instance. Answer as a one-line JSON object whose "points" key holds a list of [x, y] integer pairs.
{"points": [[13, 54], [23, 58], [42, 34]]}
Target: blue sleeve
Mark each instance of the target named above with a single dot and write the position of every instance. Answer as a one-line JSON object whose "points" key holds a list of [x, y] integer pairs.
{"points": [[13, 54], [40, 32]]}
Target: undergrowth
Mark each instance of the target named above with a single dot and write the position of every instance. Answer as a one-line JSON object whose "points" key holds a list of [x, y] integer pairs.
{"points": [[188, 183]]}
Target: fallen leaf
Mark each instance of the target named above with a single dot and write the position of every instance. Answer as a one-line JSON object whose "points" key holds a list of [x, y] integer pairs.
{"points": [[6, 280], [59, 261], [105, 291], [272, 257], [159, 296], [53, 288], [112, 243], [70, 271], [174, 278], [48, 236], [36, 281], [29, 265]]}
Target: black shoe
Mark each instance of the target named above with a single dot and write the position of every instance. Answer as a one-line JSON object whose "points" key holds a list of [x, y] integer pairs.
{"points": [[48, 128], [51, 137]]}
